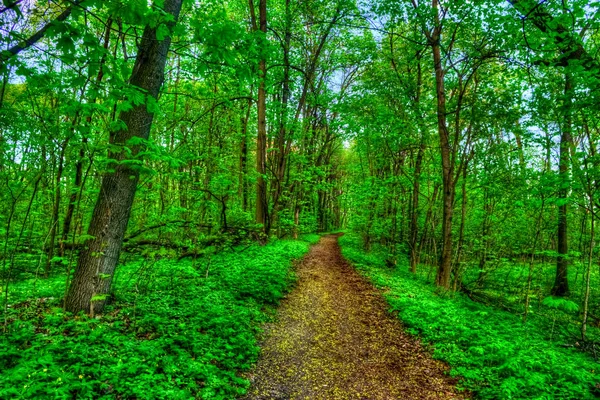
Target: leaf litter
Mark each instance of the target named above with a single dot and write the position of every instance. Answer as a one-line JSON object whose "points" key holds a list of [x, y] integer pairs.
{"points": [[334, 339]]}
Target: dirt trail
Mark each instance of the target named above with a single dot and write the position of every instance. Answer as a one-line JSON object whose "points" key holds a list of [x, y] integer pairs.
{"points": [[335, 340]]}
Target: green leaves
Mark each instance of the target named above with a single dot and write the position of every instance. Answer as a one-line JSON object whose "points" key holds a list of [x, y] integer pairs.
{"points": [[162, 32], [99, 297], [560, 303], [176, 330]]}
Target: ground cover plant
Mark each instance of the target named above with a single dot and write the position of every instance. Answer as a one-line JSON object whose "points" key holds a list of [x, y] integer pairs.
{"points": [[497, 355], [176, 330], [463, 135]]}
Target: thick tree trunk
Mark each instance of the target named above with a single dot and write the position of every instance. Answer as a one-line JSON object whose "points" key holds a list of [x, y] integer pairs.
{"points": [[561, 283], [98, 260]]}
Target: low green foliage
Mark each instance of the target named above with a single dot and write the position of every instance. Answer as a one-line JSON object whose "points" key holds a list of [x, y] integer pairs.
{"points": [[176, 330], [497, 355]]}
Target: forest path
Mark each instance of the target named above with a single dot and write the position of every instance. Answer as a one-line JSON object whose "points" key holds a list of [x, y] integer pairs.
{"points": [[335, 340]]}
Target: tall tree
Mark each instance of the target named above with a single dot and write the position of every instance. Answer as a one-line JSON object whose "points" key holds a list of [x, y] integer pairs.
{"points": [[561, 283], [262, 206], [97, 262]]}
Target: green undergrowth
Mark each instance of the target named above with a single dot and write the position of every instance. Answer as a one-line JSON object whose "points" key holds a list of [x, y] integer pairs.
{"points": [[176, 330], [497, 355]]}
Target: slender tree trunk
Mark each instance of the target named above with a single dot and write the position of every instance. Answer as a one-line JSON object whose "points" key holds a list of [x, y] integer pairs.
{"points": [[2, 93], [442, 278], [561, 283], [519, 140], [591, 188], [414, 219], [538, 231], [11, 264], [461, 232], [37, 36], [79, 164], [428, 219], [485, 232], [282, 141], [56, 208], [72, 199], [98, 260], [261, 141], [586, 296], [243, 182]]}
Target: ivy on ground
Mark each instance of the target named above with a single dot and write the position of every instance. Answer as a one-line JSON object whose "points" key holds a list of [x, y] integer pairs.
{"points": [[497, 355], [176, 330]]}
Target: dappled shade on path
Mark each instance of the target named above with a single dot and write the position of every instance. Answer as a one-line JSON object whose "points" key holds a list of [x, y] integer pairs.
{"points": [[334, 339]]}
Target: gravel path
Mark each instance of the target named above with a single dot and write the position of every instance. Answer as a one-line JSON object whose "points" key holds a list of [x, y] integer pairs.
{"points": [[334, 339]]}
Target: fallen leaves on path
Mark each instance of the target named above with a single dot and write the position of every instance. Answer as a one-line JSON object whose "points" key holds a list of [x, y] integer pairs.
{"points": [[334, 340]]}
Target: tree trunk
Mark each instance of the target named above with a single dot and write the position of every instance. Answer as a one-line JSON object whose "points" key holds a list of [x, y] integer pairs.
{"points": [[414, 219], [532, 261], [568, 43], [73, 199], [442, 278], [37, 36], [56, 207], [586, 296], [75, 192], [591, 187], [282, 147], [243, 182], [261, 141], [98, 260], [461, 232], [561, 283]]}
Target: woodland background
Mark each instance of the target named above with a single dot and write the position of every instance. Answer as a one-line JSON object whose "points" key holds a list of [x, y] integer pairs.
{"points": [[456, 141]]}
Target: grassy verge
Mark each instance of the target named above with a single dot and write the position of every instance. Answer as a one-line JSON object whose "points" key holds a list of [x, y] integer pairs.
{"points": [[177, 330], [497, 355]]}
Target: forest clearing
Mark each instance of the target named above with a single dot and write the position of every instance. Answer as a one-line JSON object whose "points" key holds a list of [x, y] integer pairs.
{"points": [[176, 175]]}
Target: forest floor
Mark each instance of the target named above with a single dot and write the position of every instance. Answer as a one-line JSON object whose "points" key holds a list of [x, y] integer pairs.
{"points": [[334, 339]]}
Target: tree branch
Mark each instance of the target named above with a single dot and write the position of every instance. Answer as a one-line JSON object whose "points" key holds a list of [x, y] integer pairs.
{"points": [[33, 39]]}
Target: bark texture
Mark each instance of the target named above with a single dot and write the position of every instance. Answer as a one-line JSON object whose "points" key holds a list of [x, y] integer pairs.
{"points": [[261, 141], [443, 274], [98, 260], [561, 283]]}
